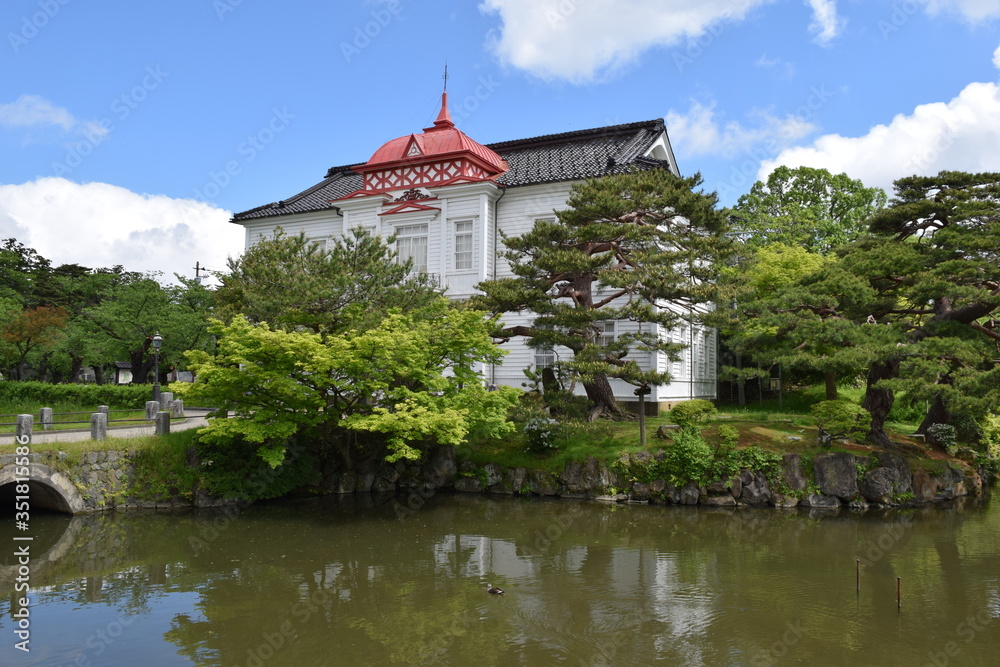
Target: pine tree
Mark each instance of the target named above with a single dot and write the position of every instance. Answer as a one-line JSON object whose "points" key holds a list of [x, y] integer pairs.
{"points": [[640, 247]]}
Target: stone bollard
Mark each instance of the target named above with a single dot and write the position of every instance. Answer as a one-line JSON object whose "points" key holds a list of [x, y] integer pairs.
{"points": [[177, 408], [45, 417], [166, 398], [162, 423], [105, 409], [25, 424], [152, 409], [99, 426]]}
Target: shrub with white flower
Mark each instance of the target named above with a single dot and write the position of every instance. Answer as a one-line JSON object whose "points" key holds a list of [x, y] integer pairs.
{"points": [[541, 434]]}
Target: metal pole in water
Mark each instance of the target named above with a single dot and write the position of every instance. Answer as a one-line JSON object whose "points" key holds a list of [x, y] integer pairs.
{"points": [[899, 593], [858, 576]]}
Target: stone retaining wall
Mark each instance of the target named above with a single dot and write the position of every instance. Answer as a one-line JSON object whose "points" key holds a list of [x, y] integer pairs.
{"points": [[836, 479]]}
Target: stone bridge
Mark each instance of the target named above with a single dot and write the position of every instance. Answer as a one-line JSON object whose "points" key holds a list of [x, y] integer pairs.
{"points": [[48, 489]]}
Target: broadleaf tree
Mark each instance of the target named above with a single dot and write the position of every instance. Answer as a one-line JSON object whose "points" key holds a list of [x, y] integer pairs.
{"points": [[805, 207], [412, 381], [641, 247]]}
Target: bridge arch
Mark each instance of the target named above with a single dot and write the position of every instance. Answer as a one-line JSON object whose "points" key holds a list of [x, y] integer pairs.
{"points": [[49, 489]]}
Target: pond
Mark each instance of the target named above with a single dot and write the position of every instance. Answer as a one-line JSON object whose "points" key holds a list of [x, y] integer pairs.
{"points": [[366, 580]]}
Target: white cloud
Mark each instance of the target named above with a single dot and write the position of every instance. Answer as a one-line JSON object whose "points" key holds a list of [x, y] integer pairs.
{"points": [[699, 132], [974, 11], [30, 110], [583, 40], [826, 24], [996, 58], [99, 225], [33, 111], [962, 134]]}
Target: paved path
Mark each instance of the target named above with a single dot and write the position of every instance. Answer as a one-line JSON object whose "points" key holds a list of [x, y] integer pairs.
{"points": [[195, 418]]}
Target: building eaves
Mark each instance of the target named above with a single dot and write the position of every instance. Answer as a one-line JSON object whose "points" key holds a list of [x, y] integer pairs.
{"points": [[550, 158]]}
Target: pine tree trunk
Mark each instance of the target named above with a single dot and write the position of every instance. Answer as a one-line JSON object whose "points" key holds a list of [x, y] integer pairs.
{"points": [[601, 395], [878, 400], [830, 378]]}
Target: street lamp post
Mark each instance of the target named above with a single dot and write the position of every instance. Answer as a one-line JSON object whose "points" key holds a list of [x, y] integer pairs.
{"points": [[157, 342]]}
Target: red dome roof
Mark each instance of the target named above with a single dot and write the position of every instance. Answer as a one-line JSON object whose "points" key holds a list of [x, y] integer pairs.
{"points": [[443, 139]]}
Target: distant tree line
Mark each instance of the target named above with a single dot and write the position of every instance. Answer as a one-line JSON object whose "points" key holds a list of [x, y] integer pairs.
{"points": [[57, 320]]}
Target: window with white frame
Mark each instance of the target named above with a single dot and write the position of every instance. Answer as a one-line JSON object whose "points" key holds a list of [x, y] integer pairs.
{"points": [[411, 244], [463, 246], [545, 357], [321, 243], [605, 332]]}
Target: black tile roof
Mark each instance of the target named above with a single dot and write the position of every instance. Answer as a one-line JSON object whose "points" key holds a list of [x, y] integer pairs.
{"points": [[569, 156]]}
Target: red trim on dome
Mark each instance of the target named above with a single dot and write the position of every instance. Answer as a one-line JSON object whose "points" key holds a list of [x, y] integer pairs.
{"points": [[446, 153]]}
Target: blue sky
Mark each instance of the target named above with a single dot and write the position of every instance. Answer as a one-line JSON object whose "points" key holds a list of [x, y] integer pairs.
{"points": [[130, 132]]}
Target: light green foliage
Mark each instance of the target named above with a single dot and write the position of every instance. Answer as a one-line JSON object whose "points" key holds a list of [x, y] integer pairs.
{"points": [[411, 378], [689, 413], [841, 419], [991, 435], [778, 265], [729, 436], [807, 208], [687, 458], [637, 247]]}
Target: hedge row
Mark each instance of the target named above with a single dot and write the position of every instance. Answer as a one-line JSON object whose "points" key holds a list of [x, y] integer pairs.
{"points": [[117, 397]]}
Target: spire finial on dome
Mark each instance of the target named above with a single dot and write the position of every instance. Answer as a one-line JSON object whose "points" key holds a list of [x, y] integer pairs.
{"points": [[443, 120]]}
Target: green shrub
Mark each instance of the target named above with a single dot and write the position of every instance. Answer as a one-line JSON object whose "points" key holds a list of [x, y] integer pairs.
{"points": [[689, 413], [729, 436], [541, 434], [687, 458], [233, 469], [840, 419], [43, 394], [942, 435], [991, 436]]}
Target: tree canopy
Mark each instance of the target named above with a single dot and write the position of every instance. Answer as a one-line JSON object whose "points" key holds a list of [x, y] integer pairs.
{"points": [[412, 381], [641, 248], [805, 207]]}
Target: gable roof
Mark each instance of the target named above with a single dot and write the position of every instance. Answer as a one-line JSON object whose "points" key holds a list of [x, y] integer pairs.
{"points": [[551, 158]]}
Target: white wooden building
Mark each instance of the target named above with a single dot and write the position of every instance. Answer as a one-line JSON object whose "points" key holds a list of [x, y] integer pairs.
{"points": [[447, 199]]}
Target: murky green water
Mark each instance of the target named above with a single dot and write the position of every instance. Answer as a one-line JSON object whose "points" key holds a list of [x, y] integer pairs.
{"points": [[355, 581]]}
